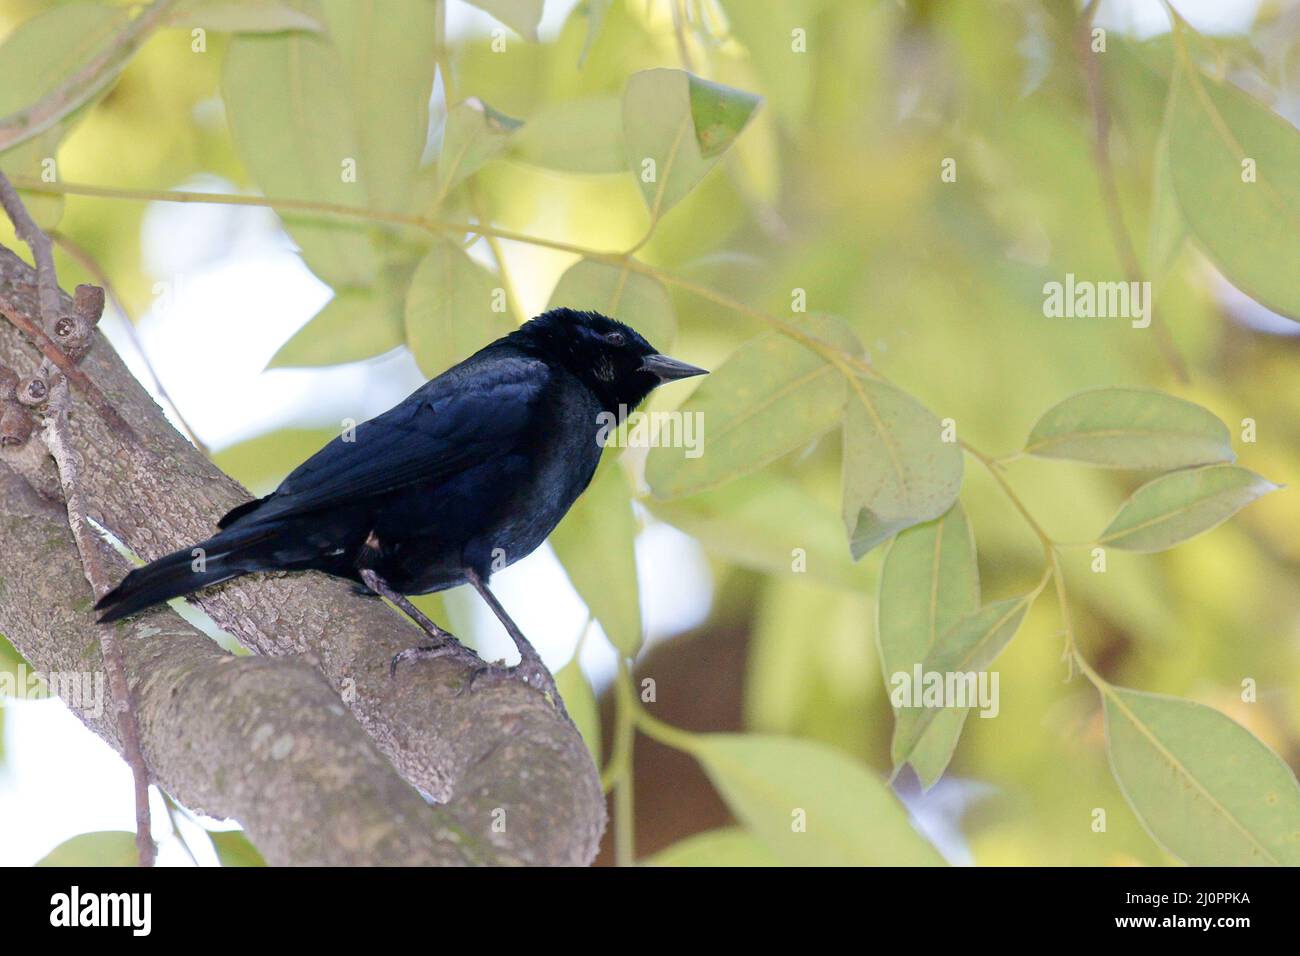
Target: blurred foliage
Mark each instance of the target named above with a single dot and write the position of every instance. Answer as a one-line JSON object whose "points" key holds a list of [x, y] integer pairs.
{"points": [[863, 258]]}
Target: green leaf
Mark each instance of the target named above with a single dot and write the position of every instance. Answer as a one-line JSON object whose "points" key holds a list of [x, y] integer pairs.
{"points": [[767, 33], [638, 300], [1130, 428], [1168, 231], [243, 16], [789, 685], [898, 470], [31, 159], [287, 102], [929, 581], [1250, 229], [675, 126], [580, 701], [522, 16], [1179, 506], [719, 113], [389, 65], [810, 804], [1205, 788], [39, 57], [595, 543], [968, 646], [769, 398], [727, 846], [761, 521], [103, 848], [596, 11], [234, 849], [44, 52], [261, 463], [450, 310], [575, 136], [474, 133], [354, 325]]}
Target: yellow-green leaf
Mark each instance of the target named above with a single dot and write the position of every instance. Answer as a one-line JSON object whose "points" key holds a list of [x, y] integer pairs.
{"points": [[1179, 506], [453, 308], [576, 136], [1167, 231], [595, 543], [966, 648], [474, 133], [675, 126], [929, 581], [42, 54], [768, 34], [1130, 428], [1218, 138], [810, 804], [595, 12], [769, 398], [727, 846], [522, 16], [389, 63], [243, 16], [1204, 787], [898, 469], [631, 297], [234, 849], [354, 325], [580, 701], [261, 463], [768, 523], [288, 105], [103, 848], [719, 114]]}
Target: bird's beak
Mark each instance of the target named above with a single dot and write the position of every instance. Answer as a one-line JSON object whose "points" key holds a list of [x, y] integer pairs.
{"points": [[669, 369]]}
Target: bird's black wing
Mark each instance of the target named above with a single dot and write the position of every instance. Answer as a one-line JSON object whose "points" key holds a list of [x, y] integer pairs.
{"points": [[474, 413]]}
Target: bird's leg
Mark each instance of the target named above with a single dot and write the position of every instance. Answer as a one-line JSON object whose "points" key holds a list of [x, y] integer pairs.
{"points": [[442, 643], [530, 668]]}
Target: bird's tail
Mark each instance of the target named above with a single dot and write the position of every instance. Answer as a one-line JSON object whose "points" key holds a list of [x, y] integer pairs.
{"points": [[181, 572]]}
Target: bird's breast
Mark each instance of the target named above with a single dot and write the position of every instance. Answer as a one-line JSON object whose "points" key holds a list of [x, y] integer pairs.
{"points": [[566, 454]]}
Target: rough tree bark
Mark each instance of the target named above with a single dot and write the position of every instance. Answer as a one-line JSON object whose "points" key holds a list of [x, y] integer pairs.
{"points": [[266, 741]]}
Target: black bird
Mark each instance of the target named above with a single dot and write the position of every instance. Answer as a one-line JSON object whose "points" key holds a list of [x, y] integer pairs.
{"points": [[468, 474]]}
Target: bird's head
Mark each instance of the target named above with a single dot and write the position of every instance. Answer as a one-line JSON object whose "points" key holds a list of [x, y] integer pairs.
{"points": [[610, 358]]}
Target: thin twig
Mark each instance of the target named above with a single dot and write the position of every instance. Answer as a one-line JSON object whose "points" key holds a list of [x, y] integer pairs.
{"points": [[1109, 189], [91, 265], [42, 251], [88, 545], [830, 351]]}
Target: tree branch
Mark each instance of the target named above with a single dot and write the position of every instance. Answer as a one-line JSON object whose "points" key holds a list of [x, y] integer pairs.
{"points": [[517, 781], [54, 436], [263, 741]]}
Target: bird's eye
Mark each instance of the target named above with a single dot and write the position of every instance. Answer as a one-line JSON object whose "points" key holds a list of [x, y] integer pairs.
{"points": [[616, 339]]}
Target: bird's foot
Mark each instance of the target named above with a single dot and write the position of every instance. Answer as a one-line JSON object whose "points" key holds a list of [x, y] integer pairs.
{"points": [[529, 671], [430, 650]]}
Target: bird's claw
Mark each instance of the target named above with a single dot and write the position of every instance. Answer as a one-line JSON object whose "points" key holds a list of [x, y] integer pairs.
{"points": [[430, 650], [529, 671]]}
